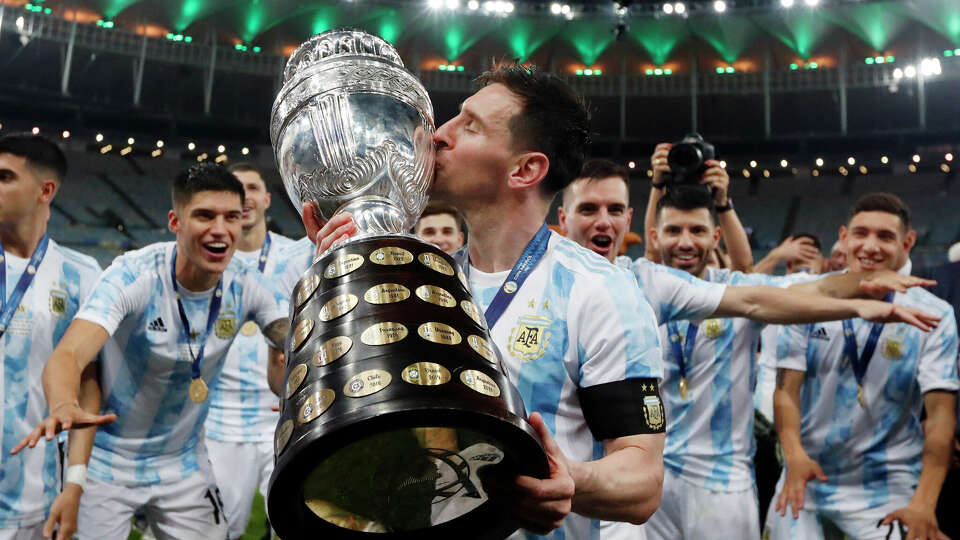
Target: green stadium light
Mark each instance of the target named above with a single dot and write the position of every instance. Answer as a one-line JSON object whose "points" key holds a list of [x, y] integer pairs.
{"points": [[719, 70], [579, 72], [169, 35], [668, 71], [880, 59], [460, 68], [597, 72], [730, 69], [257, 49], [47, 11], [891, 59], [658, 71], [813, 65], [796, 67], [649, 71], [868, 61], [948, 52], [188, 39], [442, 67], [588, 71]]}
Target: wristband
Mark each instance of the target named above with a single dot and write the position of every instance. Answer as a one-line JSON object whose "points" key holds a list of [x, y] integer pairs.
{"points": [[725, 208], [661, 185], [77, 474]]}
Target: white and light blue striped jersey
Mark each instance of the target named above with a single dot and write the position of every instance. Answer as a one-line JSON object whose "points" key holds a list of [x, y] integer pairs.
{"points": [[145, 370], [241, 402], [674, 294], [29, 480], [577, 321], [710, 433], [294, 260], [873, 452]]}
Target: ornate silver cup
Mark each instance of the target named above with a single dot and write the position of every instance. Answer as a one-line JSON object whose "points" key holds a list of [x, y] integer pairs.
{"points": [[396, 402]]}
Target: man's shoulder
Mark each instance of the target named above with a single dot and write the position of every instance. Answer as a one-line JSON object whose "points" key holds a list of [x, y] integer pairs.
{"points": [[920, 298], [280, 241], [584, 262], [143, 260], [84, 264]]}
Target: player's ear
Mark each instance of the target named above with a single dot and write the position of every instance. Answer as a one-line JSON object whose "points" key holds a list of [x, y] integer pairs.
{"points": [[173, 222]]}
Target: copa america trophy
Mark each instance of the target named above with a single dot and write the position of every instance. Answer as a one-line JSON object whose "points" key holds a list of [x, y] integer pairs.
{"points": [[396, 402]]}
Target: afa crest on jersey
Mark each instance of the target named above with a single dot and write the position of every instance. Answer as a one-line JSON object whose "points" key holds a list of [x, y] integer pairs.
{"points": [[653, 412], [58, 303], [893, 347], [528, 340], [714, 328], [226, 326]]}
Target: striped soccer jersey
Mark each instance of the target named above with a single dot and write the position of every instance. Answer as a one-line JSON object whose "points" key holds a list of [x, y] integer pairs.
{"points": [[710, 432], [145, 370], [29, 480], [241, 403], [577, 321], [870, 455]]}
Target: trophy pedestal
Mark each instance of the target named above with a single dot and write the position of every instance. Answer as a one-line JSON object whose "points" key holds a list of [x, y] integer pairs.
{"points": [[395, 403]]}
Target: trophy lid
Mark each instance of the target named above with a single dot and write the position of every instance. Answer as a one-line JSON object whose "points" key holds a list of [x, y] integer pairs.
{"points": [[336, 43]]}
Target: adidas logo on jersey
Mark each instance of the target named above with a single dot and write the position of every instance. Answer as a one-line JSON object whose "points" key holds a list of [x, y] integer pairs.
{"points": [[820, 333], [157, 325]]}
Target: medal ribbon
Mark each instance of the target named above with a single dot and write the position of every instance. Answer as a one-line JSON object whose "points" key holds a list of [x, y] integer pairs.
{"points": [[264, 251], [521, 270], [9, 306], [682, 352], [862, 360], [214, 311]]}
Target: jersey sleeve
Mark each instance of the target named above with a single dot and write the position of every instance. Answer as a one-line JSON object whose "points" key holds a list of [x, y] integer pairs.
{"points": [[739, 278], [937, 364], [119, 291], [792, 346], [676, 295], [616, 331], [295, 259]]}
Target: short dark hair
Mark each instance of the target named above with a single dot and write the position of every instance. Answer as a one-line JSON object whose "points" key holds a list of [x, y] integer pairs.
{"points": [[688, 197], [599, 169], [438, 208], [814, 238], [204, 177], [244, 166], [554, 120], [882, 202], [39, 151]]}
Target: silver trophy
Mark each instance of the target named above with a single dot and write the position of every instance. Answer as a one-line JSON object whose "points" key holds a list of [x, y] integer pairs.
{"points": [[396, 402], [352, 131]]}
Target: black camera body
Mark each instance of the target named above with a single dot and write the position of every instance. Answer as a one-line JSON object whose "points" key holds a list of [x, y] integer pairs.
{"points": [[688, 159]]}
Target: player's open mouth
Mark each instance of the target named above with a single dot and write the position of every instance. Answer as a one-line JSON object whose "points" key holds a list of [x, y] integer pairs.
{"points": [[216, 248], [602, 240]]}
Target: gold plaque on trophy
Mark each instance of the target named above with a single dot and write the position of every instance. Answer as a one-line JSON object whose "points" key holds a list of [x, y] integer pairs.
{"points": [[473, 312], [315, 405], [436, 295], [482, 348], [367, 382], [332, 350], [337, 307], [301, 333], [283, 436], [435, 262], [386, 293], [384, 333], [426, 374], [480, 382], [297, 374], [306, 289], [391, 256], [343, 265], [439, 333]]}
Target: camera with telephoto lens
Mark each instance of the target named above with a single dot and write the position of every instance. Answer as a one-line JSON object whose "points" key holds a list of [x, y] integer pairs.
{"points": [[688, 160]]}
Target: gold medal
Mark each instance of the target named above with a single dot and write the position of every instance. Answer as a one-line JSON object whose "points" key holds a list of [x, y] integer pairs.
{"points": [[684, 390], [861, 397], [249, 328], [198, 390]]}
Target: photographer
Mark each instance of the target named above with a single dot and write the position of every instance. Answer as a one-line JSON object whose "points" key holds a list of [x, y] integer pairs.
{"points": [[691, 161]]}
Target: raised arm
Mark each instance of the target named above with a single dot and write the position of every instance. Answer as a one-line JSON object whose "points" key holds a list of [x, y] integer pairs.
{"points": [[61, 382], [658, 162], [873, 284], [790, 249], [787, 306], [734, 235]]}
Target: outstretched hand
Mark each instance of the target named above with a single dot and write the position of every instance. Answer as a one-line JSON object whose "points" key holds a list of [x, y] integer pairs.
{"points": [[799, 471], [64, 417], [882, 282], [886, 312]]}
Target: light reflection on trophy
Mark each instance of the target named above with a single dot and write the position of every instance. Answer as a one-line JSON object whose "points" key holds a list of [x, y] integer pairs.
{"points": [[396, 403]]}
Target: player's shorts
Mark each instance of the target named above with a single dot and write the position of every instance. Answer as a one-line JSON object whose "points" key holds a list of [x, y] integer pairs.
{"points": [[241, 469], [25, 532], [189, 509], [830, 525], [688, 511]]}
